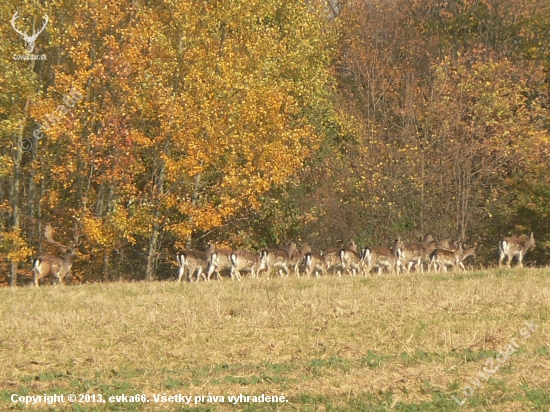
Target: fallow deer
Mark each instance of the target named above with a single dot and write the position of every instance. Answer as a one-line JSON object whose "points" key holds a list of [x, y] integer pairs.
{"points": [[218, 261], [242, 260], [351, 260], [314, 263], [441, 258], [57, 266], [276, 259], [515, 246], [191, 261], [297, 258]]}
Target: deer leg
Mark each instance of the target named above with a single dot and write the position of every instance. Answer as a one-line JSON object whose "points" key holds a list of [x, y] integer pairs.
{"points": [[37, 266], [201, 274], [180, 273], [520, 260], [210, 271], [287, 272]]}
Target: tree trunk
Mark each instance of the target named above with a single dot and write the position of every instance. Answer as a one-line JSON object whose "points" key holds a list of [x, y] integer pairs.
{"points": [[15, 194], [153, 242]]}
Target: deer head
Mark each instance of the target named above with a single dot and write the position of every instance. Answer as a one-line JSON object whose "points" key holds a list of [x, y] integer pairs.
{"points": [[29, 39], [48, 235]]}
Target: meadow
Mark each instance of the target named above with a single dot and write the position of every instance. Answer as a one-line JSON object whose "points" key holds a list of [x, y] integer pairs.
{"points": [[378, 343]]}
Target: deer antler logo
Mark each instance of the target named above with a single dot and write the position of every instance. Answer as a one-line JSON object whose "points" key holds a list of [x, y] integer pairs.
{"points": [[29, 39]]}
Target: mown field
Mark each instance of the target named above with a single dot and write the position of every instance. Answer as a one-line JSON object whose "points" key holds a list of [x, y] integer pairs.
{"points": [[404, 343]]}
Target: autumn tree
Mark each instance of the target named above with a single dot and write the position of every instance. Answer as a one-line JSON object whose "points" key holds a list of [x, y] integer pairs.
{"points": [[161, 120]]}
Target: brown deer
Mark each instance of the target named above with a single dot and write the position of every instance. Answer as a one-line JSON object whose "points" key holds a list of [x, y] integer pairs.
{"points": [[351, 260], [278, 259], [314, 263], [441, 258], [57, 266], [189, 262], [243, 261], [380, 257], [297, 258], [515, 246], [218, 260], [333, 261], [416, 253]]}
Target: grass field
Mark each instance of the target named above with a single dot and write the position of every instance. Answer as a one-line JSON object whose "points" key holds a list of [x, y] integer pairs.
{"points": [[350, 344]]}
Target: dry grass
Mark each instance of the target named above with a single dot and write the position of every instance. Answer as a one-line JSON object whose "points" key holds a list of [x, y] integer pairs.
{"points": [[400, 343]]}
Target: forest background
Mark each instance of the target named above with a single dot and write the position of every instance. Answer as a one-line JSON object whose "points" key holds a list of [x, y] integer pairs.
{"points": [[162, 124]]}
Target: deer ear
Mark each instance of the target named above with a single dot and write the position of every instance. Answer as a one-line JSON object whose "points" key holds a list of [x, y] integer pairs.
{"points": [[532, 236]]}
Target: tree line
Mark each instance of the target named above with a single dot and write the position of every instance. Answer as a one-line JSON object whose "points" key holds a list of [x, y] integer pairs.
{"points": [[165, 125]]}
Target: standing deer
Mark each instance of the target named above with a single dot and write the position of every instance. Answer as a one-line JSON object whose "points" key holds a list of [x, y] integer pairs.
{"points": [[276, 259], [218, 261], [333, 261], [467, 252], [314, 263], [416, 253], [351, 260], [57, 266], [191, 261], [441, 258], [297, 258], [412, 255], [242, 260], [380, 257], [515, 246]]}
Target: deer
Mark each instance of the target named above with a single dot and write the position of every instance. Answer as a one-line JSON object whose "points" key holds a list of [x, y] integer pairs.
{"points": [[242, 260], [218, 261], [351, 260], [276, 259], [441, 258], [332, 259], [412, 255], [57, 266], [416, 253], [191, 261], [30, 40], [297, 258], [515, 246], [467, 252], [314, 263], [383, 257]]}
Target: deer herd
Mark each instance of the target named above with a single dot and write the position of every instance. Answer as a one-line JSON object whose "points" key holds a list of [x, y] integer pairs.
{"points": [[350, 260], [400, 257]]}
